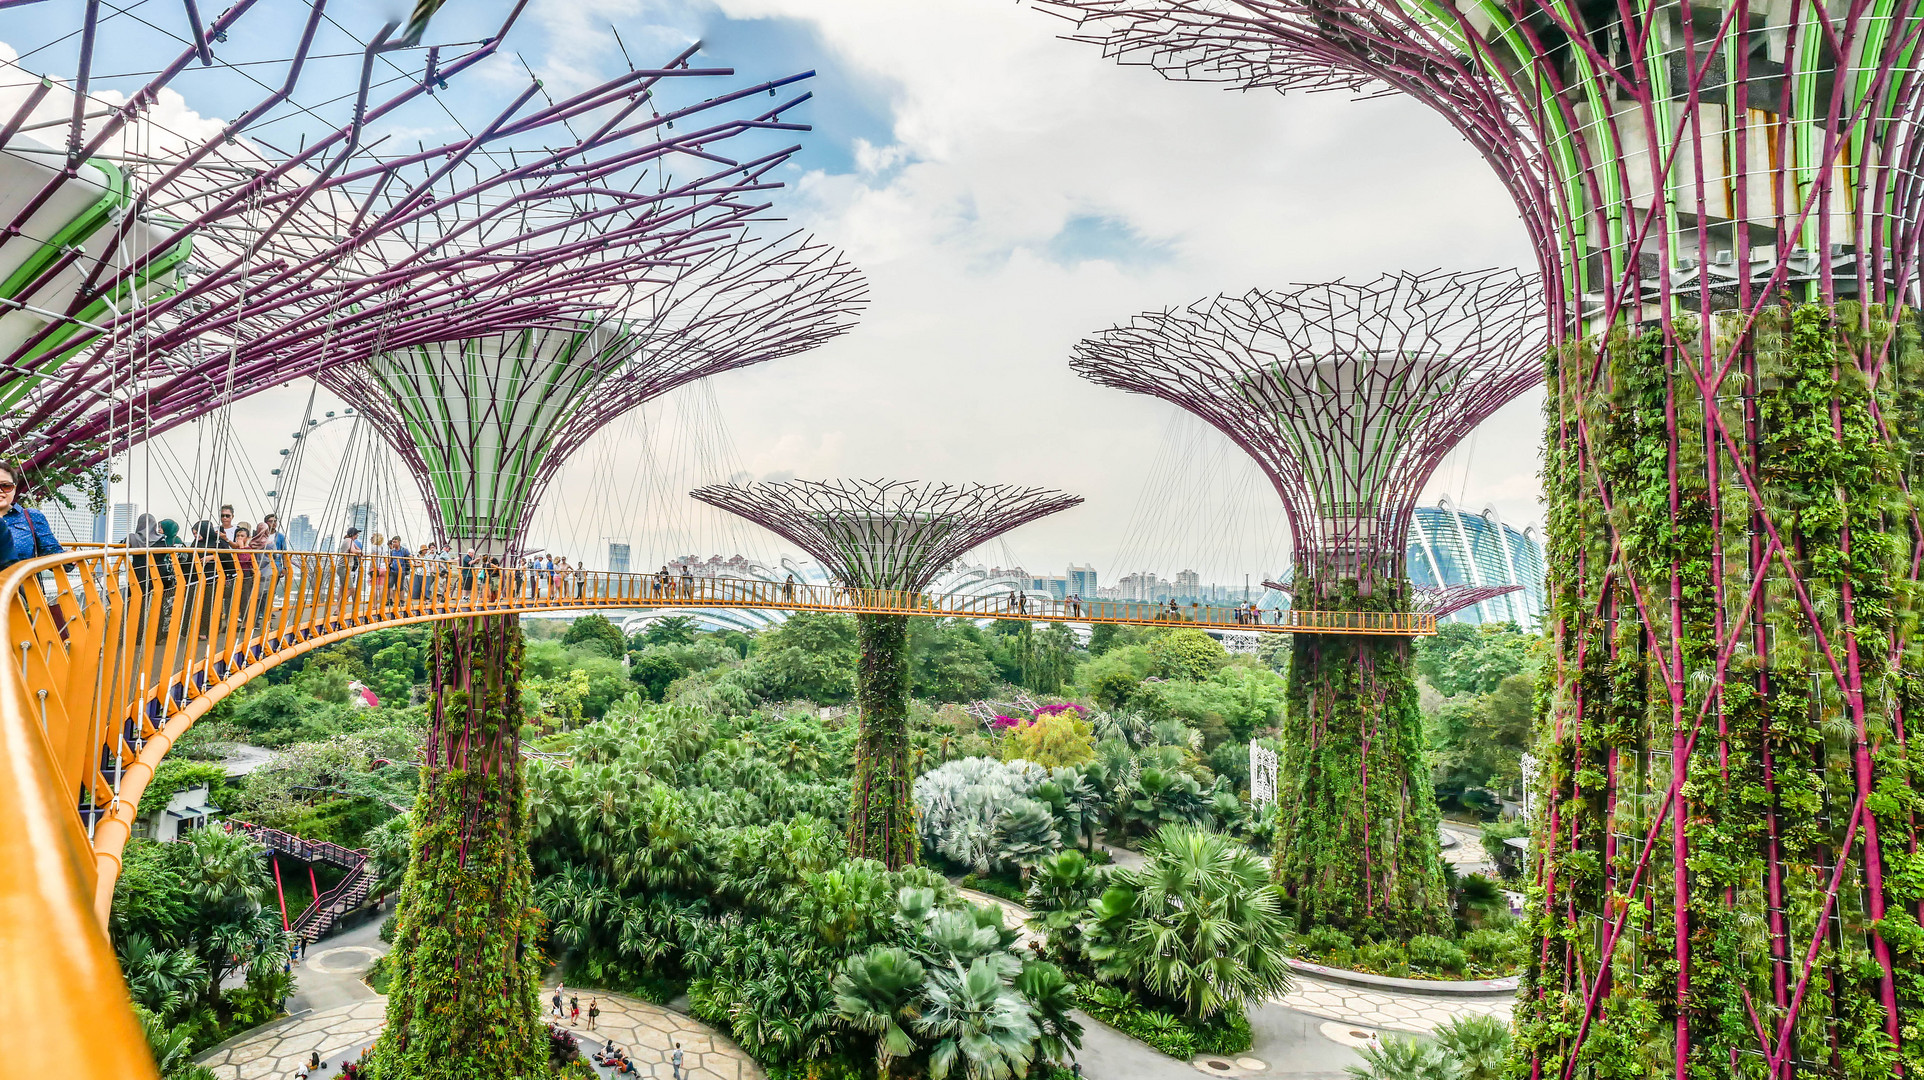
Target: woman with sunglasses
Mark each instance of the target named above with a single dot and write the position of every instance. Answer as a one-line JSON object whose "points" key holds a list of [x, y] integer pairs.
{"points": [[24, 531]]}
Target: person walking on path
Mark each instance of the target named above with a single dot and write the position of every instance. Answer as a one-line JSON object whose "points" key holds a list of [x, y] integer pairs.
{"points": [[594, 1012], [574, 1009], [557, 1002], [675, 1060]]}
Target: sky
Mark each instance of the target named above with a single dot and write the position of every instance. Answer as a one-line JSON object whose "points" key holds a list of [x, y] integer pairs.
{"points": [[1006, 192]]}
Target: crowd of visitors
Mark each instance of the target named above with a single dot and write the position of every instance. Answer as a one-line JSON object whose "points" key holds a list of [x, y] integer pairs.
{"points": [[383, 568]]}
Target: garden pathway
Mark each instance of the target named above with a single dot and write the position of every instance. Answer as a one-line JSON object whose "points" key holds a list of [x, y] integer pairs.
{"points": [[646, 1032], [1418, 1013]]}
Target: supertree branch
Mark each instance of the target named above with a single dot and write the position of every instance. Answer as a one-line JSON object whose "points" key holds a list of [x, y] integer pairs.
{"points": [[485, 422], [883, 534], [1347, 395], [1663, 165], [1445, 600], [257, 267]]}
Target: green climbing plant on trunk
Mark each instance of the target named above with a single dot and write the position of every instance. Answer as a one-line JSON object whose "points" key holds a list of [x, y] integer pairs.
{"points": [[465, 968], [1356, 841], [882, 812]]}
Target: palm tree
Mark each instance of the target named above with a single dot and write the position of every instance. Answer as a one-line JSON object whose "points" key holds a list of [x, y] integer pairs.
{"points": [[877, 992], [977, 1023], [1059, 895], [1199, 924], [1480, 1044], [1050, 995], [160, 979], [1399, 1058]]}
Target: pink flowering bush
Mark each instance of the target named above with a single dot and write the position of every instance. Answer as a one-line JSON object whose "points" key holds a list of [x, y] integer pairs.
{"points": [[1004, 723]]}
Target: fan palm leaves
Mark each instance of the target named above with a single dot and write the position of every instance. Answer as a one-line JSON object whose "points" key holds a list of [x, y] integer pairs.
{"points": [[172, 1046], [1402, 1058], [160, 979], [878, 992], [978, 1025], [1200, 924], [1059, 895], [1050, 994]]}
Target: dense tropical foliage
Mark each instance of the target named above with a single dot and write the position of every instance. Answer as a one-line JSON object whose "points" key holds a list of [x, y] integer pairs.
{"points": [[688, 820]]}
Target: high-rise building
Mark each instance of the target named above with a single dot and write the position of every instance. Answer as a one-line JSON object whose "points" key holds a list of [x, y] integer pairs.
{"points": [[364, 517], [617, 558], [1082, 580], [301, 533], [1053, 585], [1188, 583], [75, 524], [122, 524], [1452, 546]]}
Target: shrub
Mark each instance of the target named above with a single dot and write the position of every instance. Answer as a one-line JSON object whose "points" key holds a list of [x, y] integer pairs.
{"points": [[1384, 958], [1224, 1033], [1052, 740], [1403, 1058], [387, 929], [1430, 953], [1480, 1045], [1227, 1032], [1328, 944], [563, 1047], [1186, 654], [1491, 947], [994, 885]]}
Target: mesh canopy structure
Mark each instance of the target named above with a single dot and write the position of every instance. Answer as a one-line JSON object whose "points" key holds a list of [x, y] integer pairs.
{"points": [[158, 264], [883, 534], [485, 422], [1347, 395], [1665, 158]]}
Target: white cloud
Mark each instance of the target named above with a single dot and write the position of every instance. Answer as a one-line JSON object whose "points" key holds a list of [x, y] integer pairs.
{"points": [[999, 135]]}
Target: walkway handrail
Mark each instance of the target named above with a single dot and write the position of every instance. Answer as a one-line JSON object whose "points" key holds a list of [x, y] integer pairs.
{"points": [[111, 654], [300, 847]]}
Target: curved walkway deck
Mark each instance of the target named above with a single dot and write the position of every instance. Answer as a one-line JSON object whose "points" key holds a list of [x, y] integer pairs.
{"points": [[112, 654]]}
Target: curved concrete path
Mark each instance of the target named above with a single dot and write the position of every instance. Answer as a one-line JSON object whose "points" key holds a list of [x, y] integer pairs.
{"points": [[647, 1033]]}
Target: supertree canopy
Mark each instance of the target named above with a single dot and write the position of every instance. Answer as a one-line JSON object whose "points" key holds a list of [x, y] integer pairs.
{"points": [[1725, 202], [485, 422], [1347, 396], [884, 535], [159, 264]]}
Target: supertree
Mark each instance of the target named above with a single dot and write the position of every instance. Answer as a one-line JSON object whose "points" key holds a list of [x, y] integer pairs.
{"points": [[1725, 201], [895, 536], [1347, 396], [158, 267], [485, 422]]}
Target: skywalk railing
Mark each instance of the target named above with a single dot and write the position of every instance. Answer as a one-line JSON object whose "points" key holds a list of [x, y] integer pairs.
{"points": [[111, 654]]}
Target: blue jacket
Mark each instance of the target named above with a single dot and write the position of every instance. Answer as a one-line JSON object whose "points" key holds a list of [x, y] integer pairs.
{"points": [[24, 533]]}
